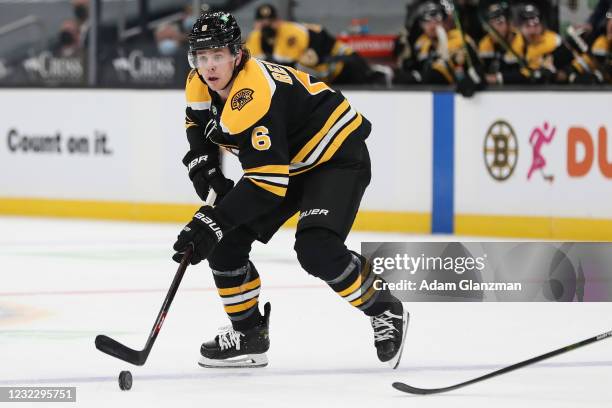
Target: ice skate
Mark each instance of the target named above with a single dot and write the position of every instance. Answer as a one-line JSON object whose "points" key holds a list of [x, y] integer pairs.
{"points": [[390, 329], [235, 349]]}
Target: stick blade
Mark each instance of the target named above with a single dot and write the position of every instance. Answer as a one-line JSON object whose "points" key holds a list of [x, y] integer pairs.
{"points": [[113, 348], [400, 386]]}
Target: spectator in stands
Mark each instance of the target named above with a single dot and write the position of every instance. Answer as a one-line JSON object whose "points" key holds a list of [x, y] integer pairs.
{"points": [[441, 52], [308, 47], [68, 40], [540, 54], [189, 19], [107, 34], [602, 49], [494, 49], [81, 13], [169, 40]]}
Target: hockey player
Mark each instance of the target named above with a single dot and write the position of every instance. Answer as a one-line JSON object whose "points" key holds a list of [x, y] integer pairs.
{"points": [[446, 55], [309, 47], [302, 148], [493, 49], [441, 52], [540, 56], [602, 50]]}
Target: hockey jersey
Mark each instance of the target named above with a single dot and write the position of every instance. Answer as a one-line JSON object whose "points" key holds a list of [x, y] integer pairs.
{"points": [[494, 56], [548, 53], [602, 53], [303, 45], [279, 121], [430, 57]]}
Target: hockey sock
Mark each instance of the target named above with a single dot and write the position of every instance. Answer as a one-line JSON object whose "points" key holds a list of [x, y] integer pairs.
{"points": [[356, 285], [322, 253], [239, 291]]}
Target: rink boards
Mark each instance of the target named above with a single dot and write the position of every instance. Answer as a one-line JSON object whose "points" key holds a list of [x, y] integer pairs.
{"points": [[523, 164]]}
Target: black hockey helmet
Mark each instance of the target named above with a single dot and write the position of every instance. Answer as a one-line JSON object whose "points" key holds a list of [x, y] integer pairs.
{"points": [[266, 11], [215, 30], [497, 11], [430, 10], [529, 13]]}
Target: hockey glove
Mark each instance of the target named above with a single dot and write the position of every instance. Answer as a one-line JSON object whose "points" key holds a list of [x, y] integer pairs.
{"points": [[203, 233], [205, 173]]}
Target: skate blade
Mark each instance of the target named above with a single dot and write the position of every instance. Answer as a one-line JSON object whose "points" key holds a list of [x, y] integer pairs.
{"points": [[248, 361], [394, 362]]}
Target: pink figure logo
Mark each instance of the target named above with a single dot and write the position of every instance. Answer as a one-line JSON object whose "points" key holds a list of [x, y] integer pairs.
{"points": [[540, 136]]}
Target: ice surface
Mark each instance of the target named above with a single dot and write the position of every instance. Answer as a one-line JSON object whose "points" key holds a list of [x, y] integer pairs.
{"points": [[63, 282]]}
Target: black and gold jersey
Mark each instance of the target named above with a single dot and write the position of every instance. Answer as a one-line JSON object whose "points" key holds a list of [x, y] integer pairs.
{"points": [[279, 121], [548, 53], [601, 51], [304, 45], [431, 57], [494, 56]]}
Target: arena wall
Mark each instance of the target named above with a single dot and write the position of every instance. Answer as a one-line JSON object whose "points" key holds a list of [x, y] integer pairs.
{"points": [[520, 164]]}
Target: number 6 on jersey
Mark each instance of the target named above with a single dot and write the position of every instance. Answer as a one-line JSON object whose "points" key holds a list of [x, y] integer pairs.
{"points": [[260, 138]]}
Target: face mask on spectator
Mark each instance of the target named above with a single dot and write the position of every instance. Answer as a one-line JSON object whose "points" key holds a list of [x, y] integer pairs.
{"points": [[81, 12], [66, 38], [167, 47]]}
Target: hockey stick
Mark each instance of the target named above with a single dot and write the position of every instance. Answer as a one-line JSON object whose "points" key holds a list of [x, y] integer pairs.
{"points": [[425, 391], [471, 69], [138, 357], [583, 48], [501, 41]]}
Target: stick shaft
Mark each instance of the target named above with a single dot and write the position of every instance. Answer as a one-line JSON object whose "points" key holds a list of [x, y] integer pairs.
{"points": [[423, 391]]}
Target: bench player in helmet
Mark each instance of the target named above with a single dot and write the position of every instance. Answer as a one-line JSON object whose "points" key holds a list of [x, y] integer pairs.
{"points": [[308, 47], [302, 148], [496, 56], [543, 56]]}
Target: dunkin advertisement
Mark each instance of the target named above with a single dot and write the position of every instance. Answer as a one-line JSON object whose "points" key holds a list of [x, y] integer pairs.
{"points": [[545, 155]]}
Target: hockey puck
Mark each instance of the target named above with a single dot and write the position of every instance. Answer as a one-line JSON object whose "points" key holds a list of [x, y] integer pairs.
{"points": [[125, 380]]}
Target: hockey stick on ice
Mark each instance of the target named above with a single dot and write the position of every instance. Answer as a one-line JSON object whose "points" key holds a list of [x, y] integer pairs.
{"points": [[138, 357], [425, 391]]}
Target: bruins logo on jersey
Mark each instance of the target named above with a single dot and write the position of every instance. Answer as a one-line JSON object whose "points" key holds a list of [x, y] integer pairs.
{"points": [[241, 98]]}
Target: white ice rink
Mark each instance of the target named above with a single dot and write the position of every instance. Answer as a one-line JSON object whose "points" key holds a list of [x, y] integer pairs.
{"points": [[64, 282]]}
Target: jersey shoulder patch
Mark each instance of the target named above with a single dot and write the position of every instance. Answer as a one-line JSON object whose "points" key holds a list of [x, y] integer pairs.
{"points": [[196, 92], [250, 98]]}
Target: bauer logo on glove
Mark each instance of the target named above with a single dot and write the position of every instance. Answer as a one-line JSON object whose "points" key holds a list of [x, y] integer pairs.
{"points": [[203, 233], [213, 225]]}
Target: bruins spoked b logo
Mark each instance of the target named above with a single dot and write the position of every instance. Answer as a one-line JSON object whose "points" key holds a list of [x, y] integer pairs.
{"points": [[241, 98], [500, 150]]}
